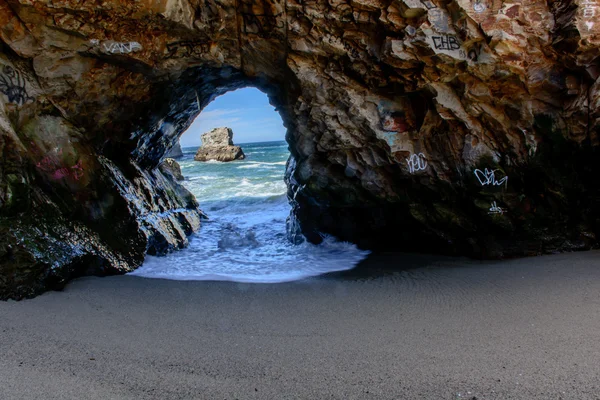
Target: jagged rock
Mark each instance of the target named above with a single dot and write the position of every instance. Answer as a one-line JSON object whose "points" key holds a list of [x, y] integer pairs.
{"points": [[175, 151], [170, 166], [218, 145], [459, 127]]}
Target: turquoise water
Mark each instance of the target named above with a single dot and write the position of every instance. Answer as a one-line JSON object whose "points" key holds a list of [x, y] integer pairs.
{"points": [[245, 238]]}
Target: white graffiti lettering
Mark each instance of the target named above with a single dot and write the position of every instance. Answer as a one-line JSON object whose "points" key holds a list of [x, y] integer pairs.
{"points": [[488, 177], [494, 209], [122, 48], [416, 162]]}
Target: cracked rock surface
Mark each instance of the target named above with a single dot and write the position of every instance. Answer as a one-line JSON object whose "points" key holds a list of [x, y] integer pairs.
{"points": [[462, 127]]}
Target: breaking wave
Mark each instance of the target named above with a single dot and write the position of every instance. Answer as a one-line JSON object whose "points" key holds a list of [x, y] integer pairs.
{"points": [[245, 238]]}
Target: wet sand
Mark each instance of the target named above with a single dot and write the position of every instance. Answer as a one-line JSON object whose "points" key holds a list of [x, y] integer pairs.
{"points": [[437, 328]]}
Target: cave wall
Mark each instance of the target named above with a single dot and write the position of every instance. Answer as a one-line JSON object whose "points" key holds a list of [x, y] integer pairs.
{"points": [[462, 127]]}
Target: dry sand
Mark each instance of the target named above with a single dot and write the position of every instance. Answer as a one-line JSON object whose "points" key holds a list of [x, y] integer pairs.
{"points": [[440, 329]]}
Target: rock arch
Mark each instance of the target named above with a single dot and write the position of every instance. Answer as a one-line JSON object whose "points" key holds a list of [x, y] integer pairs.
{"points": [[413, 125]]}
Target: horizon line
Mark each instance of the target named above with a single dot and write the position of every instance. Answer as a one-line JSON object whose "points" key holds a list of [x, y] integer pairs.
{"points": [[238, 143]]}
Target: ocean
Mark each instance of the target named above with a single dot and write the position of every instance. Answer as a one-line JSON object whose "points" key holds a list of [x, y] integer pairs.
{"points": [[245, 239]]}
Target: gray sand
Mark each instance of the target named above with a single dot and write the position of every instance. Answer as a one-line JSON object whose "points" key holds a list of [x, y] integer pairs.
{"points": [[443, 329]]}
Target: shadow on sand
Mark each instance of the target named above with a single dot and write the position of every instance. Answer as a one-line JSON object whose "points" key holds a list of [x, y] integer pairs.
{"points": [[382, 264]]}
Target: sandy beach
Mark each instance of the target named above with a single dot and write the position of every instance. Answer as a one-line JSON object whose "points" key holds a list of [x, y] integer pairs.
{"points": [[436, 328]]}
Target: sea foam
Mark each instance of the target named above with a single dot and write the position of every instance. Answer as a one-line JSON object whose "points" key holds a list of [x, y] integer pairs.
{"points": [[245, 238]]}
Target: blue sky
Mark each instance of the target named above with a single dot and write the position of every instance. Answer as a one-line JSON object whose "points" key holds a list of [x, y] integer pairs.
{"points": [[246, 111]]}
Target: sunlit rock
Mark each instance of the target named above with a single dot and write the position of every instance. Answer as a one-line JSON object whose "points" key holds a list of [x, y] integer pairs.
{"points": [[217, 145]]}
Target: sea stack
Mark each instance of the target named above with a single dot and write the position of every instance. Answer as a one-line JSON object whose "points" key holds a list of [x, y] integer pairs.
{"points": [[175, 151], [218, 145]]}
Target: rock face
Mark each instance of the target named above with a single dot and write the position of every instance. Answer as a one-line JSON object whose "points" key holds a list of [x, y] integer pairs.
{"points": [[175, 151], [218, 145], [458, 127], [172, 167]]}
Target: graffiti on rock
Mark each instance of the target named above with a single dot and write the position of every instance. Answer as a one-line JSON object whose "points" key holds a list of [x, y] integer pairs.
{"points": [[494, 209], [52, 166], [118, 47], [186, 49], [446, 42], [479, 7], [395, 123], [589, 12], [473, 53], [488, 177], [416, 162], [451, 45], [13, 86]]}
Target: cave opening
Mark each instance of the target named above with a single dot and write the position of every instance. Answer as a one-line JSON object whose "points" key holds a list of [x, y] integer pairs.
{"points": [[245, 237]]}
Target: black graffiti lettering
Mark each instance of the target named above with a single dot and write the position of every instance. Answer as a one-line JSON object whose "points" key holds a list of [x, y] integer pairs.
{"points": [[446, 42], [454, 44], [439, 42], [187, 49], [12, 84]]}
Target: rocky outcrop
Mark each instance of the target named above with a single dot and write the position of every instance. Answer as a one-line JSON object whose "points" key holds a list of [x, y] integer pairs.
{"points": [[175, 151], [172, 167], [457, 127], [218, 145], [114, 221]]}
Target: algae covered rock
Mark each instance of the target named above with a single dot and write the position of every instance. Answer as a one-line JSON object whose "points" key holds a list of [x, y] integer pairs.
{"points": [[172, 167]]}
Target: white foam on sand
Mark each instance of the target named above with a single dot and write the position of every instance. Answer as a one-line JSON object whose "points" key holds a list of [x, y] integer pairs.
{"points": [[221, 250]]}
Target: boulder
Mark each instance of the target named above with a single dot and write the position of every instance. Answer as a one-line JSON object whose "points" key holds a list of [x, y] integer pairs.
{"points": [[172, 167], [218, 145]]}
